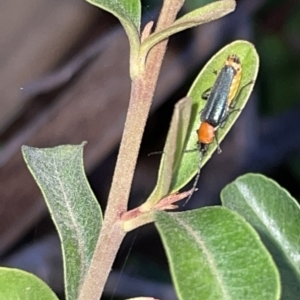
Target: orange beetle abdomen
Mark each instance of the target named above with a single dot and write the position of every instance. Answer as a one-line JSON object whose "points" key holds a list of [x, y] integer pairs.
{"points": [[206, 133]]}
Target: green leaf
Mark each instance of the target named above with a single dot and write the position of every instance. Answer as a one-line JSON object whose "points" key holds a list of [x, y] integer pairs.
{"points": [[129, 14], [272, 211], [196, 17], [214, 254], [17, 284], [249, 60], [172, 150], [59, 172]]}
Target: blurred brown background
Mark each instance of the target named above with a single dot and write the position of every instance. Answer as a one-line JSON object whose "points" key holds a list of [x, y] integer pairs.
{"points": [[64, 79]]}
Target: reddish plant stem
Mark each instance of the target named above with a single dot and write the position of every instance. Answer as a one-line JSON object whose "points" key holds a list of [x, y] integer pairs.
{"points": [[112, 234]]}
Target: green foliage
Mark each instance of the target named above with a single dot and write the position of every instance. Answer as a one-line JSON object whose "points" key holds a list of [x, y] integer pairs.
{"points": [[196, 17], [59, 172], [206, 78], [276, 216], [17, 284], [176, 164], [128, 12], [172, 150], [214, 254]]}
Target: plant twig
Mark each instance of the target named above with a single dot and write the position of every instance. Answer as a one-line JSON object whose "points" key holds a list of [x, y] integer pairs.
{"points": [[142, 91]]}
